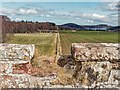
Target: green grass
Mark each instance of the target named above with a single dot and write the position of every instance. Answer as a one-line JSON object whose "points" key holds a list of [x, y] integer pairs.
{"points": [[44, 42], [69, 37]]}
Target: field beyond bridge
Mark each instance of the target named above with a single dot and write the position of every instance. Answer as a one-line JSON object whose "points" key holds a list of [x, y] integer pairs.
{"points": [[68, 37], [46, 42]]}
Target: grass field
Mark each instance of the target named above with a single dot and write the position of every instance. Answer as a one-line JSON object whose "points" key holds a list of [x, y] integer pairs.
{"points": [[44, 42], [68, 37]]}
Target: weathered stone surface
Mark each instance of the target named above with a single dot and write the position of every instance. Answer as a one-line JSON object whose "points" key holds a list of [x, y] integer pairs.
{"points": [[97, 64], [16, 52], [114, 78], [15, 58], [95, 51], [15, 81], [14, 67], [94, 65], [25, 81], [87, 72], [91, 73], [21, 68], [5, 68], [94, 74]]}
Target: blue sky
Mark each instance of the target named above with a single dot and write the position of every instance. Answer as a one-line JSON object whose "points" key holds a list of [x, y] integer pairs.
{"points": [[62, 12], [60, 0]]}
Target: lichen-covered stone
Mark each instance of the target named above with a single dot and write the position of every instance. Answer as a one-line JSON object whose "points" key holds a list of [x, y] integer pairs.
{"points": [[16, 52], [97, 64], [15, 67], [15, 58], [21, 68], [95, 51], [92, 73], [24, 81], [88, 72], [4, 68], [15, 81]]}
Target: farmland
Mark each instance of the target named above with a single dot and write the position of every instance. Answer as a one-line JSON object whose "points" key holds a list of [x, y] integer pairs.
{"points": [[45, 42], [69, 37]]}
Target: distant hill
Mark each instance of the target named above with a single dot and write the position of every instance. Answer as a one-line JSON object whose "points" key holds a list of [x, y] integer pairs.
{"points": [[114, 29], [71, 26], [100, 27]]}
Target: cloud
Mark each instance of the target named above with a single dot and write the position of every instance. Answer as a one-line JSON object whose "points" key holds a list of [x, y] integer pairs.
{"points": [[96, 17], [27, 11], [63, 15], [22, 11], [109, 0], [93, 17], [90, 21], [87, 18], [114, 6], [18, 19], [5, 11]]}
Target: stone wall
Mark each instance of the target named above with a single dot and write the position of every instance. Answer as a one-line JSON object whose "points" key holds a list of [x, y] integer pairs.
{"points": [[92, 65], [15, 52], [15, 65], [95, 52], [97, 64]]}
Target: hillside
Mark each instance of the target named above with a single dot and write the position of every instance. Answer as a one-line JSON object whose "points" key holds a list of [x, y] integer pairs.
{"points": [[70, 26], [73, 26]]}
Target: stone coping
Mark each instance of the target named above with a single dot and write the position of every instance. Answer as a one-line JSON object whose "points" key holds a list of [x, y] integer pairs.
{"points": [[95, 51], [12, 52]]}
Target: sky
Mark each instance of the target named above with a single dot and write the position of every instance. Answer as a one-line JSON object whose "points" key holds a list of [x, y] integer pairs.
{"points": [[60, 0], [82, 13]]}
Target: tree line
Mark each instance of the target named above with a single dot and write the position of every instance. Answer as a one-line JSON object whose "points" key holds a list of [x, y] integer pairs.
{"points": [[25, 26]]}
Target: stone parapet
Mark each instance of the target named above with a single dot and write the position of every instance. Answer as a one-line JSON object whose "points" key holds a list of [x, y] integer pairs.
{"points": [[15, 58], [95, 51], [97, 64], [15, 52], [15, 65]]}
